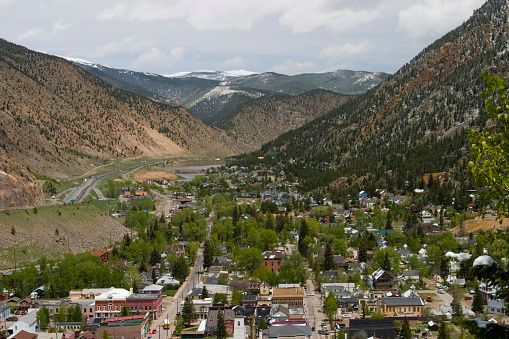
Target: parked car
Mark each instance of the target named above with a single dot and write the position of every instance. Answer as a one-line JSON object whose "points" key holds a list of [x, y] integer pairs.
{"points": [[154, 331], [471, 292], [468, 297], [312, 328], [441, 291], [12, 318]]}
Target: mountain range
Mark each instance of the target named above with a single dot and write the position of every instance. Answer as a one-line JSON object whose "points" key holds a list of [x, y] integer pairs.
{"points": [[212, 95], [60, 120], [412, 124]]}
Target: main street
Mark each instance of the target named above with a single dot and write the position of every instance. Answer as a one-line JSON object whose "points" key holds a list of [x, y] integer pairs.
{"points": [[172, 305]]}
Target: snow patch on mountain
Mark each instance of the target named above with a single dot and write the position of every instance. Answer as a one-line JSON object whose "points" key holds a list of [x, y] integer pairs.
{"points": [[212, 75]]}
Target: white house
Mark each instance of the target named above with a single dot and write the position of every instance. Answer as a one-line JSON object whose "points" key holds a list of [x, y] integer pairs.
{"points": [[28, 323]]}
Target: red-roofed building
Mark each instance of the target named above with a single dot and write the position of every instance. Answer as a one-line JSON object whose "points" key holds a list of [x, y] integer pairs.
{"points": [[102, 253]]}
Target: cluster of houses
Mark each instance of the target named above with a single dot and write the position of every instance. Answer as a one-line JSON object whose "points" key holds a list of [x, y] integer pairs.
{"points": [[101, 309]]}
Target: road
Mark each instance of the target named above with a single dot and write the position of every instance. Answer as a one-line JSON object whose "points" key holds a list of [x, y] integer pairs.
{"points": [[172, 305], [79, 193]]}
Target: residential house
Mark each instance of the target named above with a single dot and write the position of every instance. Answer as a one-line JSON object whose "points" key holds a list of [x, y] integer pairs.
{"points": [[272, 260], [102, 253], [5, 312], [28, 323], [488, 292], [25, 304], [383, 279], [264, 301], [496, 306], [292, 296], [339, 290], [167, 279], [400, 307], [202, 307], [24, 335], [258, 287], [410, 275], [346, 303], [341, 263]]}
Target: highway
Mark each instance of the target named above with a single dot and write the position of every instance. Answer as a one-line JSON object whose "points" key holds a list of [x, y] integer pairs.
{"points": [[77, 194]]}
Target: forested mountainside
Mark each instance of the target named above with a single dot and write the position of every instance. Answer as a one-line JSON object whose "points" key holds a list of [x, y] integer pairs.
{"points": [[56, 119], [261, 120], [340, 81], [412, 124], [212, 98]]}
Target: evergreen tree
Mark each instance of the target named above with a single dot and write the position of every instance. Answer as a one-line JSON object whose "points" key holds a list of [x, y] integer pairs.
{"points": [[387, 262], [477, 303], [328, 260], [388, 221], [204, 293], [236, 215], [303, 231], [363, 253], [457, 309], [188, 312], [155, 257], [405, 332], [135, 286], [444, 268], [180, 270], [221, 326], [443, 331], [208, 254], [154, 277]]}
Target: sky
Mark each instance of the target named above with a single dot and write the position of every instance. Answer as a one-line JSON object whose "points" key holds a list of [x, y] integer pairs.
{"points": [[284, 36]]}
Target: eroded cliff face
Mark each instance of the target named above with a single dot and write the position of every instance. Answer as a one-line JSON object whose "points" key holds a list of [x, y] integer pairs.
{"points": [[18, 187]]}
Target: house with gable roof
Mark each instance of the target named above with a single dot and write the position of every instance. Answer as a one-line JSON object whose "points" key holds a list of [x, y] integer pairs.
{"points": [[383, 279]]}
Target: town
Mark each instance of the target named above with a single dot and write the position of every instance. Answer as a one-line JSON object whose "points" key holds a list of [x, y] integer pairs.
{"points": [[241, 252]]}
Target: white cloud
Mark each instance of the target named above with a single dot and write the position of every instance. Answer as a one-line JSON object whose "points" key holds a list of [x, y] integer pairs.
{"points": [[130, 44], [347, 50], [429, 19], [156, 57], [291, 67], [59, 26], [235, 62], [201, 15], [310, 15], [33, 33]]}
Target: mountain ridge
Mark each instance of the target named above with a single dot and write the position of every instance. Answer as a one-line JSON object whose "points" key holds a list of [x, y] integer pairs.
{"points": [[413, 123]]}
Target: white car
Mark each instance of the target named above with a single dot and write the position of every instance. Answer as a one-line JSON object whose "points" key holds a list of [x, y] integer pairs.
{"points": [[441, 291]]}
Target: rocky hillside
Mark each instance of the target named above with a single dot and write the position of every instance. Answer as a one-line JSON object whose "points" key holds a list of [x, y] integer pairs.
{"points": [[18, 187], [261, 120], [411, 124], [58, 120]]}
